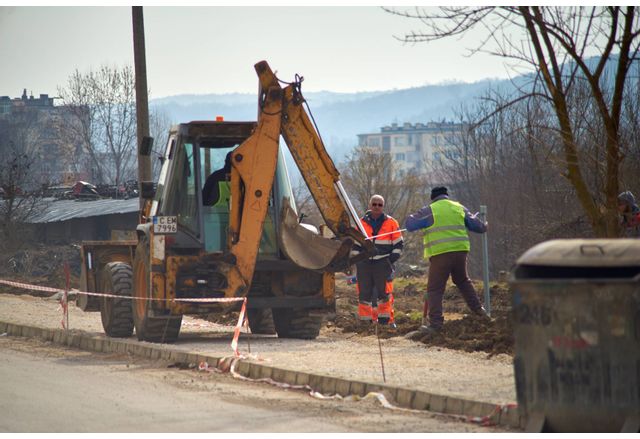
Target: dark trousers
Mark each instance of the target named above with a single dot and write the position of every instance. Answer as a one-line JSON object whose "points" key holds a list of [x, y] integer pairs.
{"points": [[372, 278], [440, 267]]}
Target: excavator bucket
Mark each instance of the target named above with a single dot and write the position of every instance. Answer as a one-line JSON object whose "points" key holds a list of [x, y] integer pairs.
{"points": [[306, 247]]}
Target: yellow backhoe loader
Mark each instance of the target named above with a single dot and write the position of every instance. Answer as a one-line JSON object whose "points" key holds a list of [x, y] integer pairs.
{"points": [[254, 246]]}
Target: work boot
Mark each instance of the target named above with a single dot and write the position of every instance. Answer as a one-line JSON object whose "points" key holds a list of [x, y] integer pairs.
{"points": [[429, 330], [481, 312], [422, 331]]}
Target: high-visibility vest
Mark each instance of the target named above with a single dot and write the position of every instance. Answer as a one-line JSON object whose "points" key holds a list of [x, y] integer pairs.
{"points": [[224, 194], [390, 242], [448, 232]]}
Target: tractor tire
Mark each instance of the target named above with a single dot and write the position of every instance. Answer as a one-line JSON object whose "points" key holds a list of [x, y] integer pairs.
{"points": [[260, 321], [155, 329], [296, 323], [117, 319]]}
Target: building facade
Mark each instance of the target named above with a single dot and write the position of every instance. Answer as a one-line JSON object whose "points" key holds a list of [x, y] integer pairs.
{"points": [[48, 134], [417, 147]]}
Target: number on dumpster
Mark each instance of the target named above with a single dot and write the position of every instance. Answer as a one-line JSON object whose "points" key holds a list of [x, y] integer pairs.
{"points": [[165, 224]]}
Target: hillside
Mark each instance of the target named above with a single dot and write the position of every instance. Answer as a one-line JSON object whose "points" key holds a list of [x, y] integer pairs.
{"points": [[340, 116]]}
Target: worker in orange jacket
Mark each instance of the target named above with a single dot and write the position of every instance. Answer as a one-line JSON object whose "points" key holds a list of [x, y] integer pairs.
{"points": [[375, 272]]}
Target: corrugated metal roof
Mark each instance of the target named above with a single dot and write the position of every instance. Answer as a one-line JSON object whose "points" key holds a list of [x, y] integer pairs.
{"points": [[63, 210]]}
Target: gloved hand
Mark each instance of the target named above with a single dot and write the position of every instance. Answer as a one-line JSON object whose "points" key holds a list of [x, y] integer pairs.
{"points": [[393, 257]]}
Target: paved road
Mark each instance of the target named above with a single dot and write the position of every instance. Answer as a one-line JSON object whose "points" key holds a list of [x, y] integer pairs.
{"points": [[48, 388]]}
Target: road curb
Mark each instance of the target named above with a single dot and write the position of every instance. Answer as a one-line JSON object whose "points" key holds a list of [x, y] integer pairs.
{"points": [[399, 396]]}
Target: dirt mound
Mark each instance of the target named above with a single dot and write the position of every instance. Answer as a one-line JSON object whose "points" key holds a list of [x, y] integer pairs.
{"points": [[473, 333], [461, 330]]}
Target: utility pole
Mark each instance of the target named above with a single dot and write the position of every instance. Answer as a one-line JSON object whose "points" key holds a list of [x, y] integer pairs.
{"points": [[142, 99]]}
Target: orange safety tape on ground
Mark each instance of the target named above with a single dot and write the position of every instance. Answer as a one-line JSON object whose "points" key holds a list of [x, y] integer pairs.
{"points": [[65, 308]]}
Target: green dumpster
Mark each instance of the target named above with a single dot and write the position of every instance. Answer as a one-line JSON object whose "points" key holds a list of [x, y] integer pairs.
{"points": [[576, 309]]}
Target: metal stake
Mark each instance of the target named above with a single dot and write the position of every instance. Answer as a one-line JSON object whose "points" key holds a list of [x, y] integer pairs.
{"points": [[485, 264], [384, 378], [248, 332], [67, 273]]}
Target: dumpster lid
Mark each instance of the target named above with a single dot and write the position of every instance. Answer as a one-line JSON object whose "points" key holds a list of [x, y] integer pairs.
{"points": [[584, 253]]}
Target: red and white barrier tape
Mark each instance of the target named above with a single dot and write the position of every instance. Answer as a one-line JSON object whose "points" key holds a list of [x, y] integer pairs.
{"points": [[87, 293], [65, 305], [236, 331], [487, 421], [31, 287]]}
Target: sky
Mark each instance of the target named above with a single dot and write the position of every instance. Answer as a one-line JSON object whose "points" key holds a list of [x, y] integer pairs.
{"points": [[200, 50]]}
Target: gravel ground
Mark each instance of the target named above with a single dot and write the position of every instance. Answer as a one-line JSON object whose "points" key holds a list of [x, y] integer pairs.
{"points": [[407, 363]]}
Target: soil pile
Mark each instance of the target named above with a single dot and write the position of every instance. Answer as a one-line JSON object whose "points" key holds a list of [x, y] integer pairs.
{"points": [[461, 331]]}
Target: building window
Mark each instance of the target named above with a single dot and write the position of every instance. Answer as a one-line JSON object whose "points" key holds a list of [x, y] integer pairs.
{"points": [[386, 144], [373, 141], [400, 156], [400, 141]]}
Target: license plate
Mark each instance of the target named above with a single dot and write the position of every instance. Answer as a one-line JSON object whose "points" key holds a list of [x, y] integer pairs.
{"points": [[165, 224]]}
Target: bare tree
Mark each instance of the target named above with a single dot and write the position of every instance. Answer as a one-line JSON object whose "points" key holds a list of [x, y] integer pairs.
{"points": [[564, 47], [103, 103], [305, 204], [19, 183], [367, 171], [160, 124], [502, 163]]}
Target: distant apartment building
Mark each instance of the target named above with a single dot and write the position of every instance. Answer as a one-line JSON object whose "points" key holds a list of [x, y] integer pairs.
{"points": [[9, 106], [417, 147], [45, 132]]}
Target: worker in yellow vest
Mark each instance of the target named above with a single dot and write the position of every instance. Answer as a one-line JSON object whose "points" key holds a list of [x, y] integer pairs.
{"points": [[217, 190], [446, 245]]}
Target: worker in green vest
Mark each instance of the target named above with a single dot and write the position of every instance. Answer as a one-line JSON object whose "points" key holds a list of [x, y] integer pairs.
{"points": [[216, 190], [446, 245]]}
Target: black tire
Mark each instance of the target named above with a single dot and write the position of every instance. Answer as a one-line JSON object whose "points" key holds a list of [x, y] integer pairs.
{"points": [[163, 329], [117, 319], [296, 323], [260, 321]]}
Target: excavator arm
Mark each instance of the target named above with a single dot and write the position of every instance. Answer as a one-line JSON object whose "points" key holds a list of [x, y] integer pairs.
{"points": [[318, 171], [253, 168]]}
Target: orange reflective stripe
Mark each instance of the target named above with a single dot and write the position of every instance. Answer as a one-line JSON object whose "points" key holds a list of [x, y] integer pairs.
{"points": [[365, 312], [384, 309]]}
